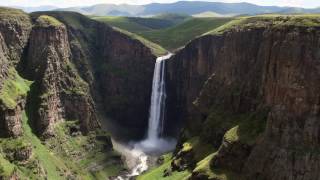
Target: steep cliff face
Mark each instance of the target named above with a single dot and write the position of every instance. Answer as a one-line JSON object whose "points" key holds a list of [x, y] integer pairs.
{"points": [[252, 92], [15, 27], [117, 69], [62, 94], [14, 30], [125, 80], [80, 72]]}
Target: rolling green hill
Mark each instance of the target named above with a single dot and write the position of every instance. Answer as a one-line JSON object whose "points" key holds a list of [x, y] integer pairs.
{"points": [[138, 24], [168, 30], [125, 23], [179, 35]]}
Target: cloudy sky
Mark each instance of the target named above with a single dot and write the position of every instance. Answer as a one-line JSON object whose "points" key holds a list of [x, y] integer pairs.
{"points": [[68, 3]]}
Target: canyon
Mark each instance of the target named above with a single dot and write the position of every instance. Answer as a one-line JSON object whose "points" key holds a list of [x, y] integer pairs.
{"points": [[242, 101]]}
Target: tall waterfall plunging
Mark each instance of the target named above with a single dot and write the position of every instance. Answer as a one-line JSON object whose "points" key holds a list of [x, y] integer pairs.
{"points": [[158, 98], [154, 140], [154, 144]]}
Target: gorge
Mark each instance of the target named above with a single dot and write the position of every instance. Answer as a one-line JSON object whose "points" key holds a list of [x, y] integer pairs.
{"points": [[241, 101]]}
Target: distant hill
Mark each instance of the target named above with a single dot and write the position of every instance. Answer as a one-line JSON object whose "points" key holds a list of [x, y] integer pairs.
{"points": [[168, 30], [139, 24], [186, 7], [177, 36], [297, 10], [196, 7], [108, 9], [38, 8], [213, 14]]}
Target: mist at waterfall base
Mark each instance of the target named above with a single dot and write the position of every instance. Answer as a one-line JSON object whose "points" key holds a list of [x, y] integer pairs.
{"points": [[155, 143], [137, 153]]}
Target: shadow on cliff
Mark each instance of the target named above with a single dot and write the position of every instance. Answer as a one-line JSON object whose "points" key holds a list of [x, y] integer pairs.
{"points": [[33, 99], [32, 106]]}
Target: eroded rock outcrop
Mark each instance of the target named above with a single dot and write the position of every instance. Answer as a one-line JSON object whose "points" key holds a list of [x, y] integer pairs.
{"points": [[15, 27], [62, 94], [14, 30]]}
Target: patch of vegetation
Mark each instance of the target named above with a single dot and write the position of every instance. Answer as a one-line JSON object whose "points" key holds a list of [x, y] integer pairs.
{"points": [[174, 18], [186, 147], [183, 28], [72, 19], [270, 20], [78, 85], [46, 21], [12, 11], [14, 88], [12, 144], [86, 156], [199, 148], [158, 172], [123, 23], [56, 165], [203, 167], [155, 48], [40, 156], [68, 155], [246, 125], [175, 37], [11, 14], [139, 24], [6, 168], [243, 127], [248, 129]]}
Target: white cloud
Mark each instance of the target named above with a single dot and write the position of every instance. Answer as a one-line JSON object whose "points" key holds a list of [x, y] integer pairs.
{"points": [[298, 3], [68, 3]]}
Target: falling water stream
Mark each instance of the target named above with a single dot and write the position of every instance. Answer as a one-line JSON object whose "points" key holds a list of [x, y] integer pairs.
{"points": [[154, 142]]}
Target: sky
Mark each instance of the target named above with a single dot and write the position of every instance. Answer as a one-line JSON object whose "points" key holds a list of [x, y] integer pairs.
{"points": [[69, 3]]}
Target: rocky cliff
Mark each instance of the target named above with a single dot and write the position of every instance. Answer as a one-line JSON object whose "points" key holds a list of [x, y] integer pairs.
{"points": [[250, 90], [62, 94], [117, 69], [14, 29], [62, 76]]}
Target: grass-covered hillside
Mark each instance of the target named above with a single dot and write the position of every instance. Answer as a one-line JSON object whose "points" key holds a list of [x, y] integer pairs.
{"points": [[268, 20], [66, 155], [139, 24], [69, 154], [173, 31], [167, 30], [179, 35]]}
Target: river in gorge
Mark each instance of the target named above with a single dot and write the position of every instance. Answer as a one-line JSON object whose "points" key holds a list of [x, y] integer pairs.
{"points": [[140, 155]]}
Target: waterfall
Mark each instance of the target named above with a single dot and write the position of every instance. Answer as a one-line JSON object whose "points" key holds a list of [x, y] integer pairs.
{"points": [[158, 98], [154, 142]]}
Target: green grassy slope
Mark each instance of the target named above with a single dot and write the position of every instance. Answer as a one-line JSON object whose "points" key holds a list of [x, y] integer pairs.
{"points": [[177, 36], [64, 156], [138, 24], [157, 173], [181, 31], [274, 20], [123, 23], [14, 87], [155, 48], [56, 158]]}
